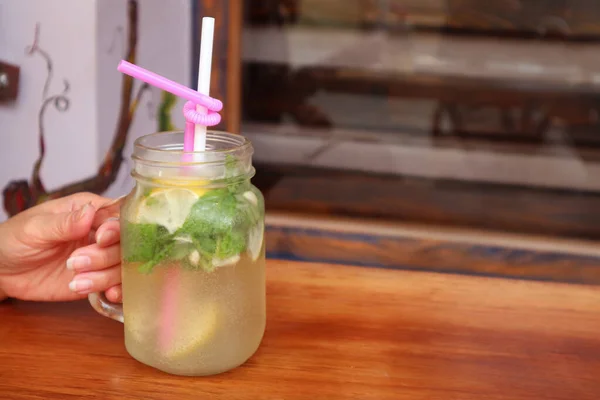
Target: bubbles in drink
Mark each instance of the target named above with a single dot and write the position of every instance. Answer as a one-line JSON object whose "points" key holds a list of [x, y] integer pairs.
{"points": [[193, 276]]}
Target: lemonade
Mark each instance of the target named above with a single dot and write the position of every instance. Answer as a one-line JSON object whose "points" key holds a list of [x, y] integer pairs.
{"points": [[208, 245], [193, 258]]}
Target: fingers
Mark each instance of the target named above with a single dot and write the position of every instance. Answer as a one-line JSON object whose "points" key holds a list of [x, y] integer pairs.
{"points": [[94, 258], [115, 294], [96, 281], [60, 227], [109, 210], [72, 202], [109, 233], [105, 207], [97, 266]]}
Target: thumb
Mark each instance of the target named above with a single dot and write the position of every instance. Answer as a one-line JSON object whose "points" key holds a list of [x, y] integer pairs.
{"points": [[66, 226]]}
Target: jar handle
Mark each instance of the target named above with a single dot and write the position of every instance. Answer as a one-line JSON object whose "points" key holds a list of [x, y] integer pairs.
{"points": [[104, 307]]}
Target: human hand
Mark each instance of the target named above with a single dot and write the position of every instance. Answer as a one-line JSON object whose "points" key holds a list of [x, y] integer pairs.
{"points": [[62, 250]]}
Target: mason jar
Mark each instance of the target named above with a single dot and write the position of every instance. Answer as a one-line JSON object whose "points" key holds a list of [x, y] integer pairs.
{"points": [[193, 256]]}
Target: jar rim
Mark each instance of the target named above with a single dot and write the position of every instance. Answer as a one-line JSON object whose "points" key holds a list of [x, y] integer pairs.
{"points": [[242, 144], [158, 155]]}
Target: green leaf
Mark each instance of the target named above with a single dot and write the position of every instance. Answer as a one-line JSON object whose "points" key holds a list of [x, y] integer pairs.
{"points": [[216, 227], [159, 256], [230, 245], [139, 241], [213, 214]]}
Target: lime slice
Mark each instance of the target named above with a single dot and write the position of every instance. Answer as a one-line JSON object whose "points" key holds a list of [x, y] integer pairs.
{"points": [[256, 236], [194, 331], [166, 207]]}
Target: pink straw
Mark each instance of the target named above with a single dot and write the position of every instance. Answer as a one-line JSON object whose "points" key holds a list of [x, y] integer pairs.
{"points": [[168, 312], [188, 142], [194, 98], [167, 316], [169, 299], [169, 86]]}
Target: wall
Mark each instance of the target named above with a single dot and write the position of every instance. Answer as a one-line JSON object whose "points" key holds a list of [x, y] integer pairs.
{"points": [[84, 41]]}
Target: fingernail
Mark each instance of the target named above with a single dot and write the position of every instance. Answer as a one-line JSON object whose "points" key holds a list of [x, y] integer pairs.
{"points": [[80, 285], [107, 237], [78, 262], [83, 211]]}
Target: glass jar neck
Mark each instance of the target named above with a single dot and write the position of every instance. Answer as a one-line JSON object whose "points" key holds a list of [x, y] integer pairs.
{"points": [[159, 159]]}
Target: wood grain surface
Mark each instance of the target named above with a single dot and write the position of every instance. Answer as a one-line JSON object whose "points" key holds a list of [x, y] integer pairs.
{"points": [[337, 332], [424, 253]]}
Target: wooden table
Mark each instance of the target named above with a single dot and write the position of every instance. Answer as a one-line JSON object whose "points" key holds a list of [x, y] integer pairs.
{"points": [[337, 332]]}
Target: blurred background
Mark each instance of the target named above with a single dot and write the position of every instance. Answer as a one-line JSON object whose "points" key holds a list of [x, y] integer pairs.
{"points": [[452, 112], [450, 134]]}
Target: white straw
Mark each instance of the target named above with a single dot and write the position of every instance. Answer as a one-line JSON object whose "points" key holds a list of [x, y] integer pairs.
{"points": [[204, 69]]}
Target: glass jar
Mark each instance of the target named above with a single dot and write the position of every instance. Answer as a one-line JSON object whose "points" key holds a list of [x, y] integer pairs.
{"points": [[193, 256]]}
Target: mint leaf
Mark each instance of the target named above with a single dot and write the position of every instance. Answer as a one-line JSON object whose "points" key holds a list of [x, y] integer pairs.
{"points": [[218, 223], [230, 245], [139, 241], [206, 245], [213, 214], [215, 229], [145, 243], [159, 256]]}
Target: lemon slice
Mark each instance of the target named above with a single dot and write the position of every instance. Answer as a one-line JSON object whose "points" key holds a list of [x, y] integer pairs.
{"points": [[166, 207], [257, 232], [189, 184], [256, 236], [194, 332], [170, 206]]}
